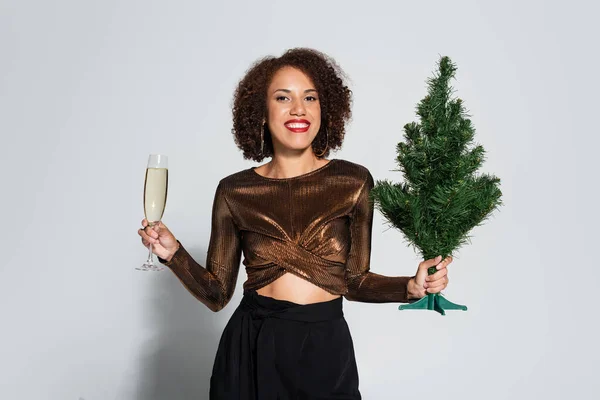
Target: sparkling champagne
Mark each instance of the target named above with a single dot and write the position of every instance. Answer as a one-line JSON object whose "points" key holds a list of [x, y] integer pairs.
{"points": [[155, 193]]}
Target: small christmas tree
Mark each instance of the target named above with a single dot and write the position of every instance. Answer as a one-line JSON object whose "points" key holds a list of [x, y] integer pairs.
{"points": [[441, 200]]}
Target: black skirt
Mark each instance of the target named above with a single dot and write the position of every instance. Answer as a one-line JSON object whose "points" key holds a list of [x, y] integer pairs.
{"points": [[273, 349]]}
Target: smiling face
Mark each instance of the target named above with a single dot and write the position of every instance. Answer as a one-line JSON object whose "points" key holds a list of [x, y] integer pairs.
{"points": [[293, 111]]}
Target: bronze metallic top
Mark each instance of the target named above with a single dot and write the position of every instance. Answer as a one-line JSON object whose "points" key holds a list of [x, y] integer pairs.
{"points": [[316, 225]]}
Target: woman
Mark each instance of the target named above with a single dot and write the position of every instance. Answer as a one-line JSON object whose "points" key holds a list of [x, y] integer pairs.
{"points": [[303, 223]]}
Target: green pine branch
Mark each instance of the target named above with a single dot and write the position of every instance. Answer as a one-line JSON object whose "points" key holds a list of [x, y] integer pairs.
{"points": [[441, 199]]}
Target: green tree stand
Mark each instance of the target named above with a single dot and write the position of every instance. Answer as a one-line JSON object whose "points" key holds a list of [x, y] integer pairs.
{"points": [[433, 301]]}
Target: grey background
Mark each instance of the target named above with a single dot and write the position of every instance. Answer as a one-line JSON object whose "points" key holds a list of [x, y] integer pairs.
{"points": [[89, 89]]}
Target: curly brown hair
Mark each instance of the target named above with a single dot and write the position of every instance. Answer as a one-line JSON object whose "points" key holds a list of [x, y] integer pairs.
{"points": [[250, 101]]}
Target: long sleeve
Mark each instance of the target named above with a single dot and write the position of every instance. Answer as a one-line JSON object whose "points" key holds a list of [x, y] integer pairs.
{"points": [[363, 285], [213, 285]]}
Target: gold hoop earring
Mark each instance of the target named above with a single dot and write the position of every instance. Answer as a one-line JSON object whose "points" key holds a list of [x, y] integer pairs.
{"points": [[326, 143], [262, 139]]}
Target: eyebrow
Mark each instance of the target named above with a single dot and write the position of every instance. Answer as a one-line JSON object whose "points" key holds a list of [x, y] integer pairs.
{"points": [[289, 91]]}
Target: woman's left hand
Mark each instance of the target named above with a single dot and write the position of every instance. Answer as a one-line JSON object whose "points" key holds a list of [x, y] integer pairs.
{"points": [[424, 283]]}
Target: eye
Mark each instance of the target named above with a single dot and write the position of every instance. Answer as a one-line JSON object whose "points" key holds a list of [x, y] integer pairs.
{"points": [[312, 97], [280, 97]]}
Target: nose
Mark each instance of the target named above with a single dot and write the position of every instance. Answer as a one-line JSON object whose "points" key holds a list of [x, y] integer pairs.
{"points": [[297, 108]]}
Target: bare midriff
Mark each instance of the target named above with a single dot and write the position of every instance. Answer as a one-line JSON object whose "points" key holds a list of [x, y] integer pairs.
{"points": [[292, 288]]}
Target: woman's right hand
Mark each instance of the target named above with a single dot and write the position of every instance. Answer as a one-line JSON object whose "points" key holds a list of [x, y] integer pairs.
{"points": [[163, 242]]}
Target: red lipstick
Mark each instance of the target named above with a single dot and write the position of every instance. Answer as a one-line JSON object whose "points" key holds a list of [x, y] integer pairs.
{"points": [[297, 125]]}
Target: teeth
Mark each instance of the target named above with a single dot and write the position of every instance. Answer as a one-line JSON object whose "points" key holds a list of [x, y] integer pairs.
{"points": [[297, 125]]}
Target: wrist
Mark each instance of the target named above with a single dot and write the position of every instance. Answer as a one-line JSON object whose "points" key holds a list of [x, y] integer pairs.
{"points": [[413, 292], [170, 257]]}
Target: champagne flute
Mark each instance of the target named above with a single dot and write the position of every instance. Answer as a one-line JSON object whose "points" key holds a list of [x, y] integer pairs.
{"points": [[155, 199]]}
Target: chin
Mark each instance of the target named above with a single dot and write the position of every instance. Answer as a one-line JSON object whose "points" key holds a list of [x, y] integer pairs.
{"points": [[298, 143]]}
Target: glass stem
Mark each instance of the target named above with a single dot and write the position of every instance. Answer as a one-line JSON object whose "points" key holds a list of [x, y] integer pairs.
{"points": [[150, 255]]}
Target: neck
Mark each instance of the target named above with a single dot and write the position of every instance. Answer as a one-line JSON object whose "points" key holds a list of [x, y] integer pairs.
{"points": [[287, 167]]}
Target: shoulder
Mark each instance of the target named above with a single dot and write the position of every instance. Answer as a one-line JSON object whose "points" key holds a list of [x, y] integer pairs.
{"points": [[230, 183], [235, 178], [355, 170]]}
